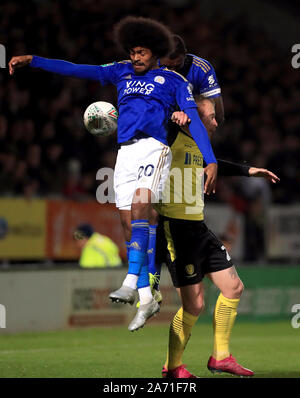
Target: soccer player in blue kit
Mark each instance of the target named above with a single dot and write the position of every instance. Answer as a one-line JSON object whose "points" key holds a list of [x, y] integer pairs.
{"points": [[199, 72], [147, 96]]}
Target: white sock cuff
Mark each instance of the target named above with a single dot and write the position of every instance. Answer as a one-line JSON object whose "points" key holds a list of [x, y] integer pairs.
{"points": [[145, 295], [131, 281]]}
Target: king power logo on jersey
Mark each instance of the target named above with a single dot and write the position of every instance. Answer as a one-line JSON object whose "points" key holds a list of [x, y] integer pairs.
{"points": [[2, 316], [137, 86]]}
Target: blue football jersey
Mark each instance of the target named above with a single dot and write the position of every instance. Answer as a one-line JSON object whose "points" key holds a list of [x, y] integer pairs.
{"points": [[202, 76], [147, 101]]}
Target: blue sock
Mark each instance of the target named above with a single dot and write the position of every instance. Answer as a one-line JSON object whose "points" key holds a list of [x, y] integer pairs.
{"points": [[152, 266], [143, 280], [138, 245]]}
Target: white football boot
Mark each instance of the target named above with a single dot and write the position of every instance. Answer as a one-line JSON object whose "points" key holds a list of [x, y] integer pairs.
{"points": [[123, 295], [144, 312]]}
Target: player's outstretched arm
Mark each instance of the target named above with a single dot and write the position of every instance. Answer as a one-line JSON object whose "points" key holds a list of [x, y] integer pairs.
{"points": [[19, 62], [90, 72], [264, 173], [231, 169]]}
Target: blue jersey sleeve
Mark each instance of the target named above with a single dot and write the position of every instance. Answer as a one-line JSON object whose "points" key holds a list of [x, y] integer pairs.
{"points": [[108, 73], [184, 96], [199, 134], [186, 102], [204, 79], [104, 73]]}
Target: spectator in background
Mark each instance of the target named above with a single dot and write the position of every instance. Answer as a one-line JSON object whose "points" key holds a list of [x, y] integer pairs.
{"points": [[97, 251]]}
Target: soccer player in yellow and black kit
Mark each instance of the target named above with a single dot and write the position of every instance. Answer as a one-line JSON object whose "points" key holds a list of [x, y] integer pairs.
{"points": [[183, 240], [191, 251]]}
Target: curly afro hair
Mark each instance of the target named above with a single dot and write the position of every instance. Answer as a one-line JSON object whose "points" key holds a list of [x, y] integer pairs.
{"points": [[133, 32]]}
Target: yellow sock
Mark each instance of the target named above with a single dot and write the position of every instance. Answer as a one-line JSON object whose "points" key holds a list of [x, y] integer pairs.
{"points": [[179, 334], [224, 317]]}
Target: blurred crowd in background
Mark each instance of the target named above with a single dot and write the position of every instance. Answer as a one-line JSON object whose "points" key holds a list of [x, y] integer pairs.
{"points": [[45, 149]]}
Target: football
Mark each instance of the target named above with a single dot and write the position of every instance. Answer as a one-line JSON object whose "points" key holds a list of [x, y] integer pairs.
{"points": [[101, 118]]}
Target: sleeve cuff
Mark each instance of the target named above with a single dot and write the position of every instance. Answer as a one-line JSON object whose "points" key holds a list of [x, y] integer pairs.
{"points": [[33, 61]]}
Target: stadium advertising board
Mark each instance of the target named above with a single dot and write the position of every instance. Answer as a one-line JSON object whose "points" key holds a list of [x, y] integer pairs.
{"points": [[80, 299], [283, 232], [270, 292], [38, 229], [22, 229], [63, 216], [90, 305]]}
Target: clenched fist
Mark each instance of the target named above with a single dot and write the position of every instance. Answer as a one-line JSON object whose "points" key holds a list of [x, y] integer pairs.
{"points": [[180, 118]]}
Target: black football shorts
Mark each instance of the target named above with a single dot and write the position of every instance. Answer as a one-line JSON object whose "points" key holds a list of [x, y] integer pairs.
{"points": [[190, 250]]}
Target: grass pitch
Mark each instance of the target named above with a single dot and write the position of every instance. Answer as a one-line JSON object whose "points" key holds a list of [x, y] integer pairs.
{"points": [[271, 349]]}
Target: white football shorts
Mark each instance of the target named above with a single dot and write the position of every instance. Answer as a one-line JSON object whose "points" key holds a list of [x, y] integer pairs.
{"points": [[143, 164]]}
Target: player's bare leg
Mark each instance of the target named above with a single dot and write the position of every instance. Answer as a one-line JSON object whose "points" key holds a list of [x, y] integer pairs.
{"points": [[125, 218], [228, 282], [192, 298], [231, 288]]}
